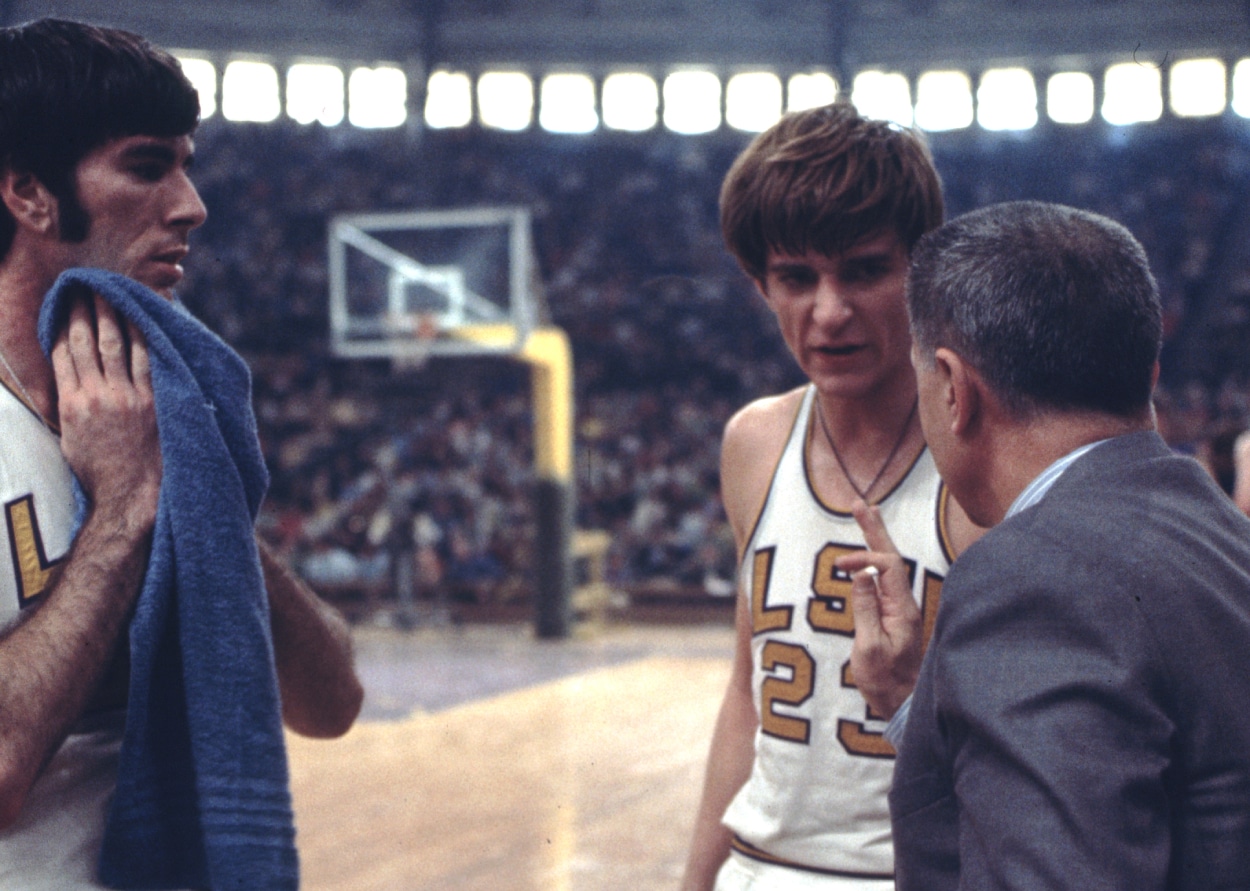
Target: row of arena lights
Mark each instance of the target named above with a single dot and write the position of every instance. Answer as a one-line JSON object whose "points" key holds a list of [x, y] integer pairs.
{"points": [[696, 101]]}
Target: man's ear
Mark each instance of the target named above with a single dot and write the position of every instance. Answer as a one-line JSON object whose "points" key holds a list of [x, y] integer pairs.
{"points": [[29, 200], [963, 391]]}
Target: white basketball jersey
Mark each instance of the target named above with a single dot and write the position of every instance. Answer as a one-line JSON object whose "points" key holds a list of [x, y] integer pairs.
{"points": [[55, 843], [36, 492], [816, 797]]}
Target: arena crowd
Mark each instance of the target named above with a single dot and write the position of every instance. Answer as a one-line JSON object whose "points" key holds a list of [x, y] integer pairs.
{"points": [[373, 464]]}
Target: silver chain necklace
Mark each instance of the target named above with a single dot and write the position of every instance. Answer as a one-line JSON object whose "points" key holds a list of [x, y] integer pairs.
{"points": [[863, 493]]}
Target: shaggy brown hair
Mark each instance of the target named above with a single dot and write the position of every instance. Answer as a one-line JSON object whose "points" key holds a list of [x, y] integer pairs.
{"points": [[825, 179]]}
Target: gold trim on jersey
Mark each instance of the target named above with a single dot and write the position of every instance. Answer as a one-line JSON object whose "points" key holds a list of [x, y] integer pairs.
{"points": [[746, 849], [772, 477], [31, 565], [943, 520]]}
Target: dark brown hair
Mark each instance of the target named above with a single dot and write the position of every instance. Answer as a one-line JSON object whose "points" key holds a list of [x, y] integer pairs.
{"points": [[67, 88]]}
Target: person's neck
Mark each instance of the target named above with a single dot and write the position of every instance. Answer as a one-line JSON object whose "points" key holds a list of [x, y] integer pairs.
{"points": [[870, 422], [864, 441], [1024, 450], [21, 297]]}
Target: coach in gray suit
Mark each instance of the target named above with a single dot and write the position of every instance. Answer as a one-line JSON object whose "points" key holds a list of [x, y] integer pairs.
{"points": [[1082, 716]]}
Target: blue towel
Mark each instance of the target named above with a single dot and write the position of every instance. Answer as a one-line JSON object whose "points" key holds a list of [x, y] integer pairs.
{"points": [[203, 798]]}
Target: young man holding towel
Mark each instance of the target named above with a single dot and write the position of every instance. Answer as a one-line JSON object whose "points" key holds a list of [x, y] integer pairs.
{"points": [[96, 133]]}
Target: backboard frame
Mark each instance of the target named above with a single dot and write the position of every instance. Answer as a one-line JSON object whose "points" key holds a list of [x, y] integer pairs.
{"points": [[472, 326]]}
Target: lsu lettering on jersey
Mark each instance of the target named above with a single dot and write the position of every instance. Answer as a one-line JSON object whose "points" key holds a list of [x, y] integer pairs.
{"points": [[55, 843], [36, 491], [816, 797]]}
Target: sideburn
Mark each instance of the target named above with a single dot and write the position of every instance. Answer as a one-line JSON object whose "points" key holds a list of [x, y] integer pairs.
{"points": [[74, 221]]}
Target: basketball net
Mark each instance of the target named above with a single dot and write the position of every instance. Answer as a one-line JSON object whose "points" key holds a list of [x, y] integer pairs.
{"points": [[414, 337]]}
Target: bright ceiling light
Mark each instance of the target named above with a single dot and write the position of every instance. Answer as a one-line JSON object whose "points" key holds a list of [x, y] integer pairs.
{"points": [[1241, 88], [448, 99], [1007, 99], [1196, 88], [631, 101], [753, 100], [505, 100], [315, 93], [567, 104], [810, 91], [1070, 97], [203, 76], [377, 97], [883, 95], [692, 102], [249, 92], [1132, 93], [943, 100]]}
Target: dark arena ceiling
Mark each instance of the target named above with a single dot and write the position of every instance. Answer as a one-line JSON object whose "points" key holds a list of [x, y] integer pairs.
{"points": [[598, 35]]}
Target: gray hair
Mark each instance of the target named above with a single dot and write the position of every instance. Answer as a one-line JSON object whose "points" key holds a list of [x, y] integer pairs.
{"points": [[1055, 307]]}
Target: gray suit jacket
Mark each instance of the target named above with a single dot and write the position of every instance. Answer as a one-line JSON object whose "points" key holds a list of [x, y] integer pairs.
{"points": [[1082, 718]]}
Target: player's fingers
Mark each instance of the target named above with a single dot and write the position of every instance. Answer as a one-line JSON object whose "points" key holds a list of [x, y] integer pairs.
{"points": [[140, 363], [865, 601], [1241, 447], [870, 523], [111, 341], [892, 584], [883, 563], [79, 340], [63, 364]]}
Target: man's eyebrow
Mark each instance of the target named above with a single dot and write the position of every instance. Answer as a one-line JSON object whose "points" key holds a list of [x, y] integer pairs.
{"points": [[856, 251], [868, 257], [787, 265], [154, 151]]}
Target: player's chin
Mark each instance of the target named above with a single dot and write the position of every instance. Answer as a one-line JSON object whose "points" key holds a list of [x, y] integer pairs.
{"points": [[844, 384], [161, 278], [836, 370]]}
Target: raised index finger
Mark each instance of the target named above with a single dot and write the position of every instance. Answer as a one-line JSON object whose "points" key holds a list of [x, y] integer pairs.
{"points": [[876, 536]]}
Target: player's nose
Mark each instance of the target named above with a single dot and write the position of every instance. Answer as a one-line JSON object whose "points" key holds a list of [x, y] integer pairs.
{"points": [[186, 207], [830, 304]]}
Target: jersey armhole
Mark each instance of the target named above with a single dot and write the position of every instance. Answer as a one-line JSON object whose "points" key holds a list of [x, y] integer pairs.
{"points": [[772, 476]]}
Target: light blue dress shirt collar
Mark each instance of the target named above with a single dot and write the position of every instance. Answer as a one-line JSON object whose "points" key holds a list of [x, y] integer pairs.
{"points": [[1031, 495], [1034, 491]]}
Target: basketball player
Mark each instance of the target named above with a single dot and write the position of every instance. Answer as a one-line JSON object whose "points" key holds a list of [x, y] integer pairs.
{"points": [[95, 143], [821, 212]]}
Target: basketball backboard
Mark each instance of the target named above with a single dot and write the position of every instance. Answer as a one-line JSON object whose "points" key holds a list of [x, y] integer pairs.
{"points": [[408, 285]]}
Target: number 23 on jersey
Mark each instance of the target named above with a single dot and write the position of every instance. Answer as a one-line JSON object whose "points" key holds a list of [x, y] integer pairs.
{"points": [[791, 672]]}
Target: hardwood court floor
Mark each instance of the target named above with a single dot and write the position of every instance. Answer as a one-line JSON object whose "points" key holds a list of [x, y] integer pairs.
{"points": [[486, 759]]}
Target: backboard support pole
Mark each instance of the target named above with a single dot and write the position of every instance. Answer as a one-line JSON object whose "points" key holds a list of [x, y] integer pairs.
{"points": [[410, 285]]}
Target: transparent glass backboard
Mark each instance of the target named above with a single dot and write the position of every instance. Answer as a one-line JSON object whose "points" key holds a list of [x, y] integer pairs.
{"points": [[408, 285]]}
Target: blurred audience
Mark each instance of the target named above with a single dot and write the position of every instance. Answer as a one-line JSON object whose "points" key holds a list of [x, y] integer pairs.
{"points": [[372, 464]]}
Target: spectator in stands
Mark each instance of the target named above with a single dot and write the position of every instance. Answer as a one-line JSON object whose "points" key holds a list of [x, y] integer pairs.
{"points": [[628, 240]]}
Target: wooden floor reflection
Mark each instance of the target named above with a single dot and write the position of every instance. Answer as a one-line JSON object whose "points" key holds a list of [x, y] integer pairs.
{"points": [[573, 766]]}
